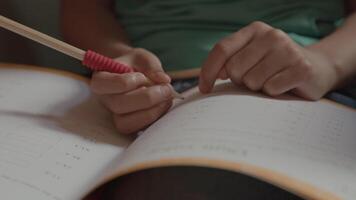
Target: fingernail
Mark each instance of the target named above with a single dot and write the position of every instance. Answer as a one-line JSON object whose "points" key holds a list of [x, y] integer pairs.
{"points": [[166, 91]]}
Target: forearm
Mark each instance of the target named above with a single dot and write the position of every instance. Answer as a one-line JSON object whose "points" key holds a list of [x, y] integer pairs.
{"points": [[340, 49], [91, 24]]}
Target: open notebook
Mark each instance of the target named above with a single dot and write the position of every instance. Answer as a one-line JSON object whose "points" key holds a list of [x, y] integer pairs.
{"points": [[57, 142]]}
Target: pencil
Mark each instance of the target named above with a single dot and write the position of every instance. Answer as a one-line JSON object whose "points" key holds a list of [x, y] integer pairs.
{"points": [[94, 61]]}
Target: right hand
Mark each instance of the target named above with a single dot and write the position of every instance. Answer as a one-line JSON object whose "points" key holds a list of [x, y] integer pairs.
{"points": [[134, 103]]}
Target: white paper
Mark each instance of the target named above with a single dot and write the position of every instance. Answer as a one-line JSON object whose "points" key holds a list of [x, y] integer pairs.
{"points": [[314, 142], [56, 140]]}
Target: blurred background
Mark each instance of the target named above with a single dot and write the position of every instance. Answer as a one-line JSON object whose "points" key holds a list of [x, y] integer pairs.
{"points": [[42, 15]]}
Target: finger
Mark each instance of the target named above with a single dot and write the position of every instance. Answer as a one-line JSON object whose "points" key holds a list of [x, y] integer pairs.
{"points": [[223, 74], [136, 121], [223, 50], [284, 81], [248, 57], [112, 83], [140, 99], [270, 65]]}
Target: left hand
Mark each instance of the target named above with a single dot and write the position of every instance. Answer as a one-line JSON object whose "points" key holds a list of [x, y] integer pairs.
{"points": [[264, 58]]}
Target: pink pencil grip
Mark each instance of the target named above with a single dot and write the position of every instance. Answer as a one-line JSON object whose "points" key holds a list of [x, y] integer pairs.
{"points": [[98, 62]]}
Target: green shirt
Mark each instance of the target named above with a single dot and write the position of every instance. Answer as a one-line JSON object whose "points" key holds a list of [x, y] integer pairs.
{"points": [[182, 32]]}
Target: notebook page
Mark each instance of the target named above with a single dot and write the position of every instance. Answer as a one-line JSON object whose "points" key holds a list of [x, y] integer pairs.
{"points": [[312, 142], [55, 139]]}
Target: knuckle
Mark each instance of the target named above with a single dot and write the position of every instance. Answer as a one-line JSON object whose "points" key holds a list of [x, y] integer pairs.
{"points": [[291, 50], [147, 58], [306, 70], [259, 25], [222, 48], [278, 35], [127, 80], [140, 50], [140, 53], [142, 58], [299, 62]]}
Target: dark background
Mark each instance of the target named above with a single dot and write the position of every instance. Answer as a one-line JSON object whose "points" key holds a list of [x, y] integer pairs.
{"points": [[192, 183], [42, 15]]}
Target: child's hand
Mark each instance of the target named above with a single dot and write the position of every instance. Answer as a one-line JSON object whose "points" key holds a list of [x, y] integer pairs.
{"points": [[133, 103], [264, 58]]}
